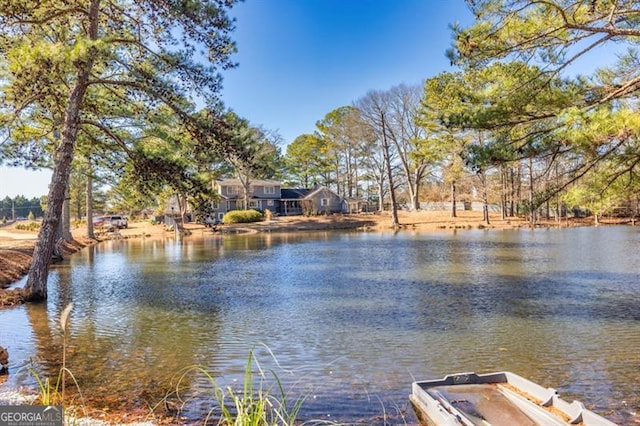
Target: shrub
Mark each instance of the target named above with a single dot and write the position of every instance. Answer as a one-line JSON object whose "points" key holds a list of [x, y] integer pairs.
{"points": [[32, 226], [31, 216], [242, 216]]}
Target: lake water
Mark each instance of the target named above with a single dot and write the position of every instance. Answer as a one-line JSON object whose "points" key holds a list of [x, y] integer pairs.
{"points": [[347, 320]]}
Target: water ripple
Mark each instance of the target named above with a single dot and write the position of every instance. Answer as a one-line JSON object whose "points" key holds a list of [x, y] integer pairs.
{"points": [[349, 320]]}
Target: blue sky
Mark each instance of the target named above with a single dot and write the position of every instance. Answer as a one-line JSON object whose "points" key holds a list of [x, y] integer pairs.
{"points": [[300, 59]]}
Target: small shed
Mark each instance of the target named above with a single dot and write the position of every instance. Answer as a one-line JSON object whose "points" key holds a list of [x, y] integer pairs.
{"points": [[356, 205]]}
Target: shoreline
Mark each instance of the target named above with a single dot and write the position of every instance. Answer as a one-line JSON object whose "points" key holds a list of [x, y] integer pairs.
{"points": [[16, 246]]}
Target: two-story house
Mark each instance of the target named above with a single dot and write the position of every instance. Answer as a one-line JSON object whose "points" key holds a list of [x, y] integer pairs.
{"points": [[263, 194], [268, 194]]}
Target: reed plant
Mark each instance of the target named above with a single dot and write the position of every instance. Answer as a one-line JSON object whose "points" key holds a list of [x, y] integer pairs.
{"points": [[255, 404], [50, 392]]}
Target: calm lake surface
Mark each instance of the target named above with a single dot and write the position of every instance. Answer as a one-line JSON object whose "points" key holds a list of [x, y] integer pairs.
{"points": [[349, 319]]}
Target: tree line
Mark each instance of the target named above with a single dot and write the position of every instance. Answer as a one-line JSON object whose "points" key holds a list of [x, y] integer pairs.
{"points": [[108, 94], [20, 207], [510, 126]]}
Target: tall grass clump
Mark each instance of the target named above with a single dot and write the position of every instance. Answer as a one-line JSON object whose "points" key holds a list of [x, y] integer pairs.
{"points": [[50, 392], [255, 404], [242, 216]]}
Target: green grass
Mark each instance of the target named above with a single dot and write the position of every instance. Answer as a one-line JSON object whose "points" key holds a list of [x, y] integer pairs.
{"points": [[255, 404], [48, 393]]}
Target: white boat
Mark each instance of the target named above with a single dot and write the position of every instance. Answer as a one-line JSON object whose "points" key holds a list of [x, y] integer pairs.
{"points": [[497, 399]]}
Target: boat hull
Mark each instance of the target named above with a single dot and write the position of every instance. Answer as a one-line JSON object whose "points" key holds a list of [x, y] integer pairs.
{"points": [[501, 398]]}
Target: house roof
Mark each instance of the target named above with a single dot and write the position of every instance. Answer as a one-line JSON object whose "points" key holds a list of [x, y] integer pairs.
{"points": [[314, 191], [304, 193], [254, 182], [294, 193]]}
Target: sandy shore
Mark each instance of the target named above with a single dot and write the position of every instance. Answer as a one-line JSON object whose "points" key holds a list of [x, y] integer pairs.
{"points": [[16, 246]]}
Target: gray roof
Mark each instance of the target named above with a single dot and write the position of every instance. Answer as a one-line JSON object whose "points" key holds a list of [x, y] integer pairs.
{"points": [[294, 193], [254, 182]]}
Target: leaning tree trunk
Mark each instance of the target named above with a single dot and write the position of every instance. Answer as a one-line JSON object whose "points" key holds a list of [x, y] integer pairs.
{"points": [[36, 287]]}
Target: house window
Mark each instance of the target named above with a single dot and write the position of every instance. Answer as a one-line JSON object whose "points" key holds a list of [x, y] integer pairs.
{"points": [[324, 202], [269, 190], [232, 190], [215, 205], [253, 204]]}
